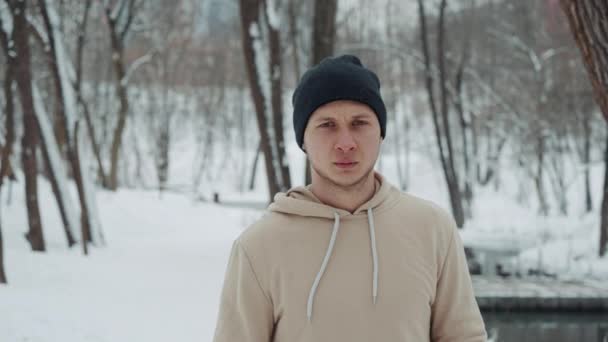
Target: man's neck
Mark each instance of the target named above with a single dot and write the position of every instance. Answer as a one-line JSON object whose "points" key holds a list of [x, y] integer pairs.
{"points": [[343, 198]]}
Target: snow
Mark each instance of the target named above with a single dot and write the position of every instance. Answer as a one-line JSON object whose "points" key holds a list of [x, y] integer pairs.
{"points": [[7, 19], [274, 19], [158, 279], [160, 275], [165, 254], [56, 163]]}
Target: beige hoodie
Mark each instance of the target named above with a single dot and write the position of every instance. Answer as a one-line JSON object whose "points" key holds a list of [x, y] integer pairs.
{"points": [[393, 270]]}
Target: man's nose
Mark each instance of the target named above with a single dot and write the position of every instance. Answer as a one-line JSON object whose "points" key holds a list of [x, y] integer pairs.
{"points": [[345, 141]]}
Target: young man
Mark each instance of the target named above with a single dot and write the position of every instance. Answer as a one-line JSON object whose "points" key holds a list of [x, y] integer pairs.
{"points": [[348, 257]]}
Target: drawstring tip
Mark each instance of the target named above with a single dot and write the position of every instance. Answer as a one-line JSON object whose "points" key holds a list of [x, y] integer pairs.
{"points": [[374, 299]]}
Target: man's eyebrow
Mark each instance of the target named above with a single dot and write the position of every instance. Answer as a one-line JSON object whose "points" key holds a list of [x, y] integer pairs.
{"points": [[363, 115], [358, 116]]}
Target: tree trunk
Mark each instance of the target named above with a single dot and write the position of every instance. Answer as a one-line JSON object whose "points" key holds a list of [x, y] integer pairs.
{"points": [[464, 128], [293, 37], [254, 166], [85, 227], [442, 128], [6, 169], [67, 228], [78, 87], [60, 125], [117, 47], [604, 212], [121, 92], [255, 28], [30, 135], [543, 207], [587, 21], [5, 162], [70, 144], [277, 100], [323, 38], [586, 157]]}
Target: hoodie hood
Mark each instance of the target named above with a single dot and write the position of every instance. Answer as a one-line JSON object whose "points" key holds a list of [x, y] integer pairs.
{"points": [[301, 201]]}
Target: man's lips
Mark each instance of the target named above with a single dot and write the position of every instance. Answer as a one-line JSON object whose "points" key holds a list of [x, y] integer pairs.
{"points": [[345, 164]]}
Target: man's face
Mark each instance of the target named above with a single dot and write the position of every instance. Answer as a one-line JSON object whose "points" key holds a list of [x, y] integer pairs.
{"points": [[342, 140]]}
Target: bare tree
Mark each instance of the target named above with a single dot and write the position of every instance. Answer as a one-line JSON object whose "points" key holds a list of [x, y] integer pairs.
{"points": [[6, 169], [62, 121], [119, 18], [441, 124], [587, 21], [23, 77], [84, 107], [6, 150], [261, 46], [323, 38]]}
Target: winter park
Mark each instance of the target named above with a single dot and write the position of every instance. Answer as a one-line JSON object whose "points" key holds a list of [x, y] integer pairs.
{"points": [[313, 170]]}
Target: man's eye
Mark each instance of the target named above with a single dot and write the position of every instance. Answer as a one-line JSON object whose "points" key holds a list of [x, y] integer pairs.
{"points": [[359, 122], [326, 124]]}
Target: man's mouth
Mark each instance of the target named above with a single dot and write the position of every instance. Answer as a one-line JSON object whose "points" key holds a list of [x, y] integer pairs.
{"points": [[346, 164]]}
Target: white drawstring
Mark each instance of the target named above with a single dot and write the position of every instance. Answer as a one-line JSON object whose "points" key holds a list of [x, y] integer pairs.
{"points": [[311, 296], [332, 241], [372, 237]]}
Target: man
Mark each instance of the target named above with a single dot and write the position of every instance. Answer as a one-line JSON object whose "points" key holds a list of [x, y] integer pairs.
{"points": [[348, 257]]}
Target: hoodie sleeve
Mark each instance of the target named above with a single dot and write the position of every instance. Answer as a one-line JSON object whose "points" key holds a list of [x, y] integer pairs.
{"points": [[455, 314], [245, 312]]}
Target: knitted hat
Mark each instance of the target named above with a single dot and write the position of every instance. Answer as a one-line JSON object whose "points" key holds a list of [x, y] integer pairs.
{"points": [[336, 78]]}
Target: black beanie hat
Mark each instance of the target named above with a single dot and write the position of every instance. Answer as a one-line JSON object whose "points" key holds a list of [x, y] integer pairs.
{"points": [[336, 78]]}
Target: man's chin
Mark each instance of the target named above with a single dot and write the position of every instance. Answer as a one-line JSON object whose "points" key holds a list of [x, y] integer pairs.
{"points": [[344, 178]]}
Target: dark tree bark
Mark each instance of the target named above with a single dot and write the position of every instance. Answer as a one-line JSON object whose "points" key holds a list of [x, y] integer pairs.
{"points": [[587, 132], [323, 41], [117, 38], [293, 35], [6, 169], [29, 141], [441, 124], [589, 24], [254, 167], [85, 223], [464, 128], [259, 35], [6, 150], [276, 95]]}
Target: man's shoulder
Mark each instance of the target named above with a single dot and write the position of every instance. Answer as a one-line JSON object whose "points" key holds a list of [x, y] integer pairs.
{"points": [[419, 204], [265, 230], [423, 210]]}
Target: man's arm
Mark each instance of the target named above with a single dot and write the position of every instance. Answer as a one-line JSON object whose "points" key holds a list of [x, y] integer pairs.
{"points": [[455, 314], [245, 312]]}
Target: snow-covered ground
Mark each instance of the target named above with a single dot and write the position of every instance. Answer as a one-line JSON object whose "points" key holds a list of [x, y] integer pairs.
{"points": [[158, 278], [160, 275]]}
